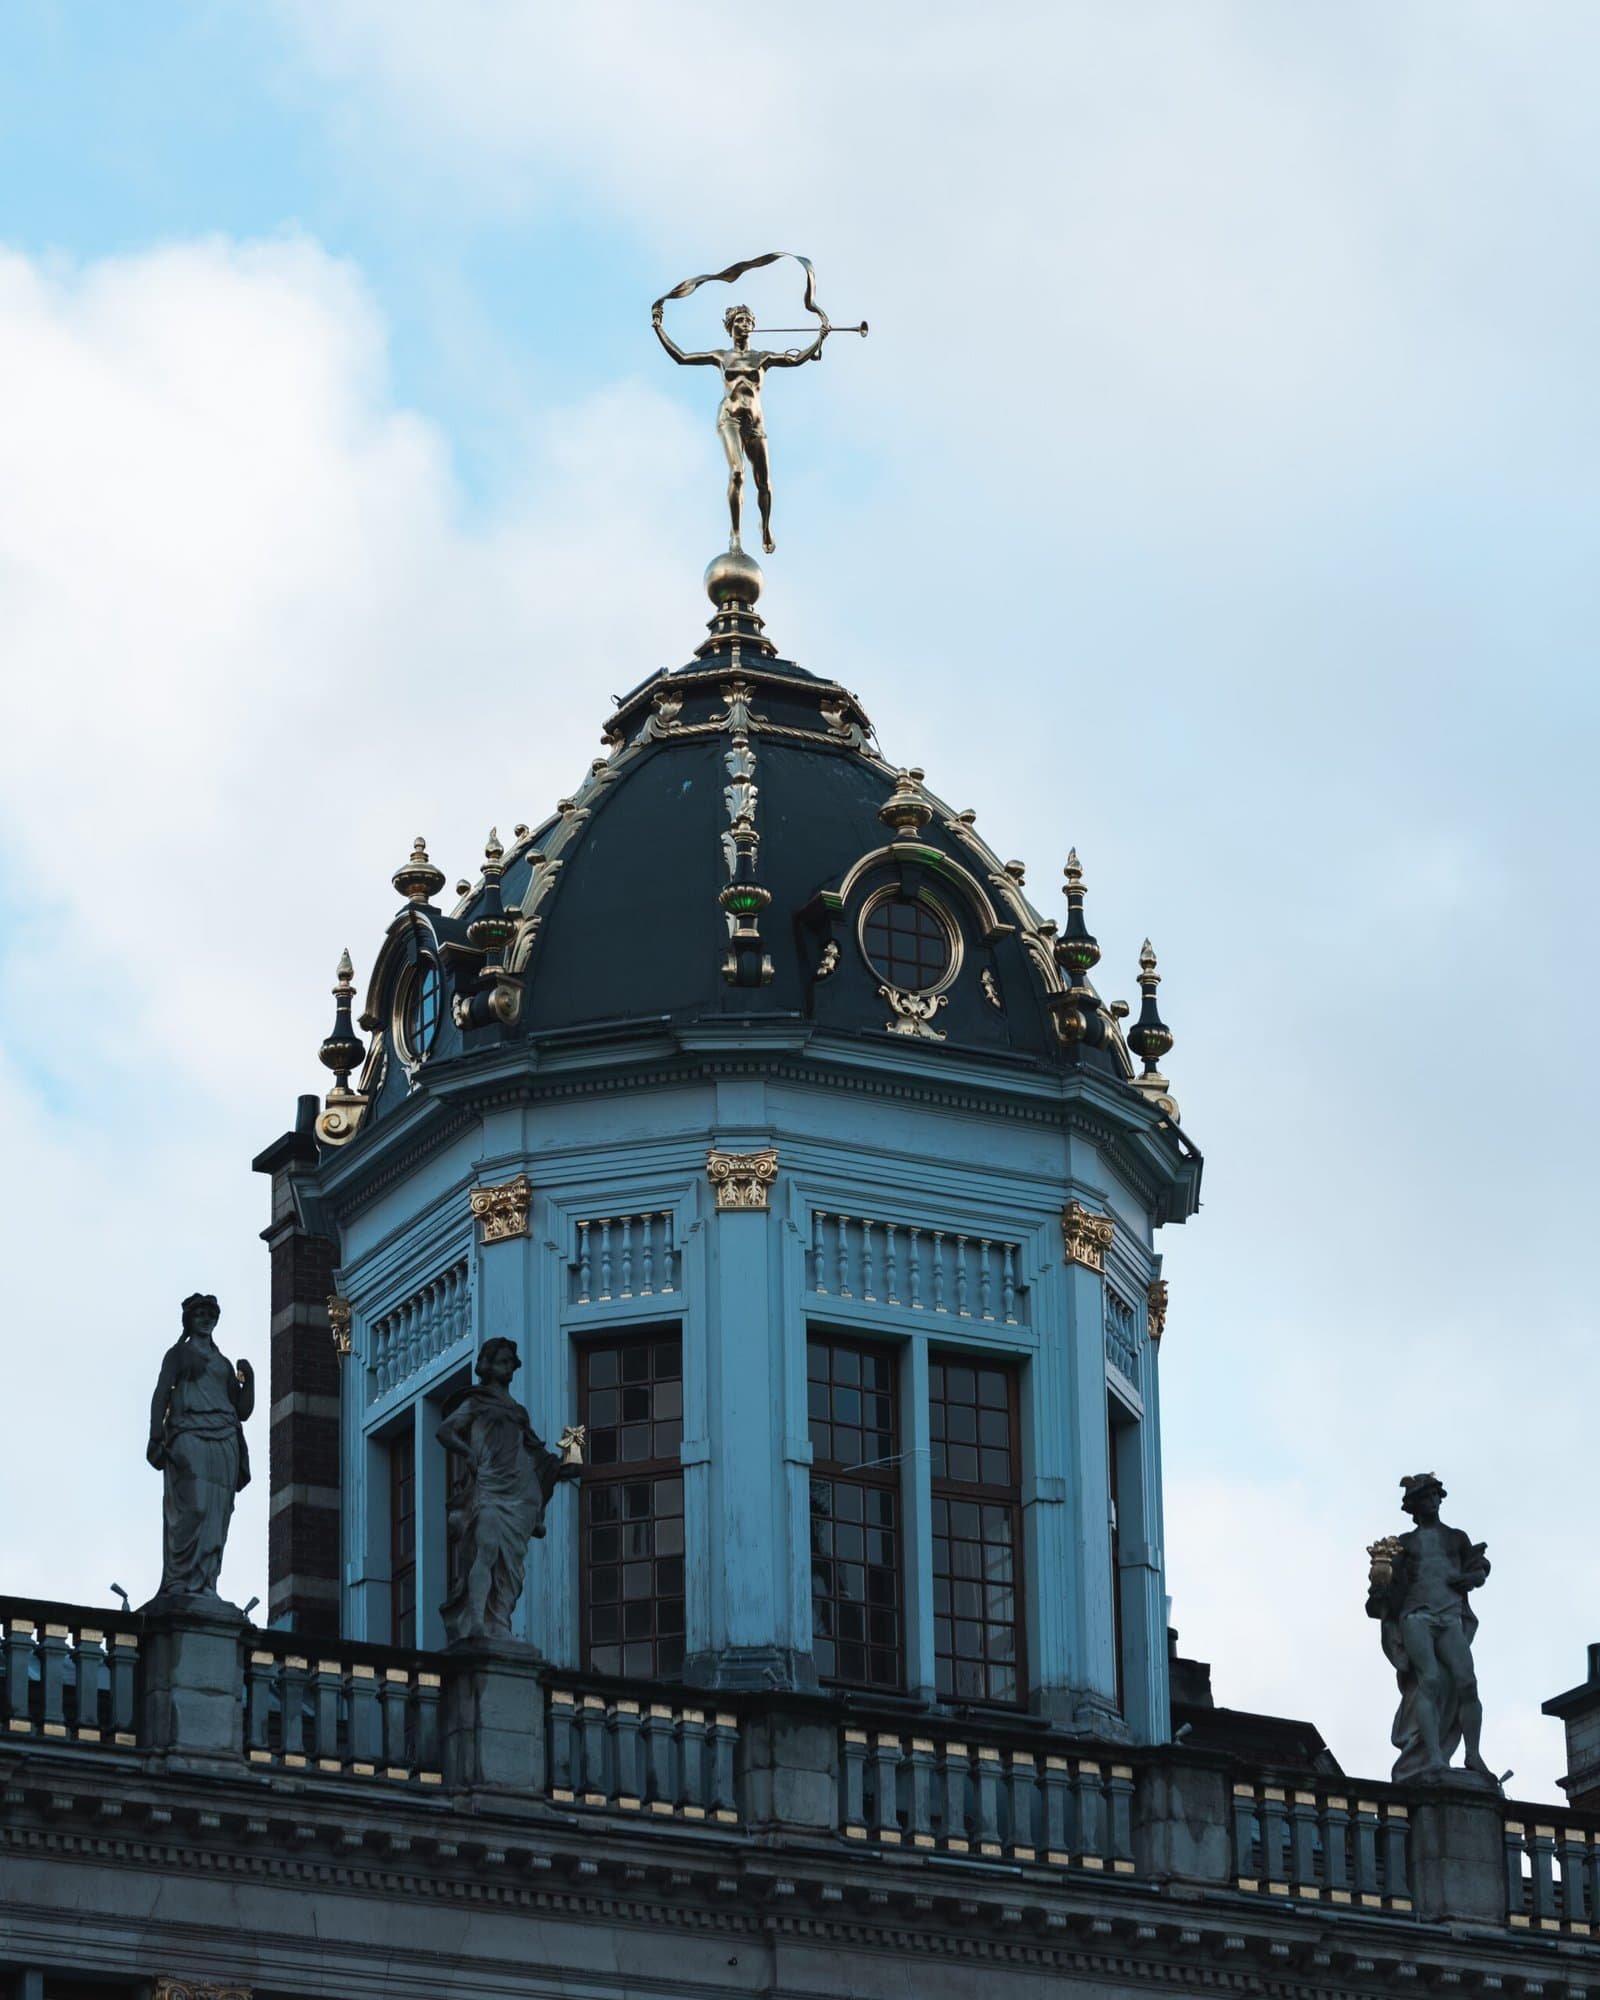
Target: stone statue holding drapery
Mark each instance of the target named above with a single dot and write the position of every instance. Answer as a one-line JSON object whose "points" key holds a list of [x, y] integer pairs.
{"points": [[197, 1418], [507, 1476]]}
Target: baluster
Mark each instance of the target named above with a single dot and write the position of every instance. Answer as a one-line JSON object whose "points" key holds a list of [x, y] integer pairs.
{"points": [[1274, 1834], [1542, 1849], [1023, 1783], [852, 1801], [1367, 1850], [724, 1743], [694, 1780], [1088, 1797], [886, 1761], [841, 1225], [594, 1790], [1008, 1284], [1303, 1839], [922, 1802], [988, 1782], [366, 1725], [292, 1678], [583, 1263], [124, 1684], [88, 1677], [627, 1257], [985, 1280], [866, 1260], [819, 1255], [378, 1342], [659, 1737], [957, 1826], [938, 1270], [259, 1675], [647, 1247], [625, 1754], [916, 1270], [1336, 1844], [1119, 1802], [1575, 1906], [426, 1759], [890, 1270], [605, 1256], [397, 1701], [327, 1696], [668, 1252], [1246, 1863], [563, 1776], [963, 1293], [1516, 1882], [1396, 1847], [53, 1662], [1057, 1801]]}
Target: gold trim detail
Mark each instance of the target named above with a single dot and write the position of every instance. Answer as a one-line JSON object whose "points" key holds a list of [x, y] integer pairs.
{"points": [[1156, 1308], [339, 1317], [742, 1180], [168, 1988], [502, 1209], [1086, 1236]]}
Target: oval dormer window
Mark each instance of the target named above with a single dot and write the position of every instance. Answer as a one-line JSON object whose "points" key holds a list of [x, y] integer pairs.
{"points": [[421, 1003], [909, 942]]}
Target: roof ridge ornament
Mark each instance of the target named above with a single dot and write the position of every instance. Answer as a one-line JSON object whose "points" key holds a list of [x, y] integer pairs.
{"points": [[906, 809], [1150, 1037], [417, 879], [341, 1052]]}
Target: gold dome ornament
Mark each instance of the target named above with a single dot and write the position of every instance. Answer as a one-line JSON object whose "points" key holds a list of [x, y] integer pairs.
{"points": [[341, 1053], [1150, 1037], [1077, 1010], [418, 880], [906, 809]]}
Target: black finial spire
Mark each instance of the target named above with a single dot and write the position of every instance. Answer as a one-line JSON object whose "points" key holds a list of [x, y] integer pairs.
{"points": [[343, 1049], [417, 879], [1150, 1037]]}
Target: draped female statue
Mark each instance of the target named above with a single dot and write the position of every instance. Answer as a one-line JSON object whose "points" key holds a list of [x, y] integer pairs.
{"points": [[197, 1419], [507, 1477]]}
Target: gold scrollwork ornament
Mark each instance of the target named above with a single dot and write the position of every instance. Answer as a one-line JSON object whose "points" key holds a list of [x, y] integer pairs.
{"points": [[502, 1209], [168, 1988], [1156, 1308], [742, 1180], [913, 1013], [1086, 1236], [339, 1318]]}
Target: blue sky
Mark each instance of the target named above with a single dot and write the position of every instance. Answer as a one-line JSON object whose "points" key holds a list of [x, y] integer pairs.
{"points": [[1216, 493]]}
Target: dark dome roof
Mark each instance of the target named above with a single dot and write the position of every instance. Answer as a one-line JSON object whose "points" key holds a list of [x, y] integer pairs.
{"points": [[722, 861]]}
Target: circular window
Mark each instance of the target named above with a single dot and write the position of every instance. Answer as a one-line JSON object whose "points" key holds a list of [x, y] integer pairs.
{"points": [[420, 1007], [909, 943]]}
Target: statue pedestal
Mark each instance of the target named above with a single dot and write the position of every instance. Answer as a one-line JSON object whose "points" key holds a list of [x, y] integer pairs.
{"points": [[494, 1724], [190, 1711], [1457, 1851]]}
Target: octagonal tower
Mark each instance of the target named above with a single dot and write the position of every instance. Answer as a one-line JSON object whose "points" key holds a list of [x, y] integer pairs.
{"points": [[752, 1097]]}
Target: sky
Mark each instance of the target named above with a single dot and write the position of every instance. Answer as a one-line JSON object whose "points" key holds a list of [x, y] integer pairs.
{"points": [[1215, 492]]}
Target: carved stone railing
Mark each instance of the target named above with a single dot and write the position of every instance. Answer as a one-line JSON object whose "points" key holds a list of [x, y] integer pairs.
{"points": [[68, 1674], [1337, 1844], [1552, 1870], [963, 1795], [350, 1711], [670, 1757], [429, 1323], [940, 1271], [622, 1257]]}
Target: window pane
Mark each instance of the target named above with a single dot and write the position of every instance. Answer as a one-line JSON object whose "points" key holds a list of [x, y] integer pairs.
{"points": [[978, 1635], [632, 1508], [855, 1540]]}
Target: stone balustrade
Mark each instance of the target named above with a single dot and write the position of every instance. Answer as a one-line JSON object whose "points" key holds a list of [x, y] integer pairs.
{"points": [[1552, 1871], [939, 1271], [622, 1257], [1339, 1845], [992, 1799], [202, 1695], [353, 1711], [672, 1758], [68, 1673]]}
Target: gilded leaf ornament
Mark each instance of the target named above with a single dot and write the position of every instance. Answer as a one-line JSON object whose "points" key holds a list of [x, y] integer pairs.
{"points": [[1086, 1236], [742, 1180], [502, 1209]]}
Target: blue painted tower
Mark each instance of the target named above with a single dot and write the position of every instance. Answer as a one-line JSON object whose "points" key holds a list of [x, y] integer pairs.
{"points": [[800, 1156]]}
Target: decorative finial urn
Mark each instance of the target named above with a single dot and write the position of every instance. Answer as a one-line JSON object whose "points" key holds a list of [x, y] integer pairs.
{"points": [[418, 880], [906, 809], [343, 1048], [1150, 1037]]}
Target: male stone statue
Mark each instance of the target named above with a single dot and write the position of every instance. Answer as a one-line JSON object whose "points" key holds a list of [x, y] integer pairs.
{"points": [[197, 1420], [506, 1482], [1418, 1588]]}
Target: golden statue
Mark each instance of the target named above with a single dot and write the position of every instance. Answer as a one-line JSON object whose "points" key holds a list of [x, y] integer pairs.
{"points": [[739, 424]]}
